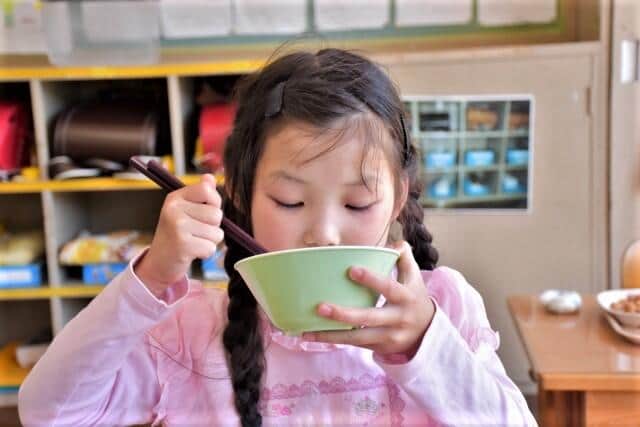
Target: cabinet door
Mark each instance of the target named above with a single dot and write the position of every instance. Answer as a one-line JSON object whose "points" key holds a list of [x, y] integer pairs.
{"points": [[549, 244], [625, 132]]}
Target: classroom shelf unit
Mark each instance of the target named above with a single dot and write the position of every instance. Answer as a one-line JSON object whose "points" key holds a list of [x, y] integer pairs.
{"points": [[61, 209]]}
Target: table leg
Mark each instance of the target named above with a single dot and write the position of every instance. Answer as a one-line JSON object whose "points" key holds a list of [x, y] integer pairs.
{"points": [[612, 408], [560, 408]]}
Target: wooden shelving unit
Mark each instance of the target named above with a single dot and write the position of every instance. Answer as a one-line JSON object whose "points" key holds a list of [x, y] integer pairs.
{"points": [[66, 291], [87, 184], [63, 208]]}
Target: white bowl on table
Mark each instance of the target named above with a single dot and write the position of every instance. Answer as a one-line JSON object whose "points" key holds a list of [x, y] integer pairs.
{"points": [[632, 334], [626, 319]]}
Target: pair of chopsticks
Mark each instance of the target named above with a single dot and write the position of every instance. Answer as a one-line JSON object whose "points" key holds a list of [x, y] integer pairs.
{"points": [[158, 174]]}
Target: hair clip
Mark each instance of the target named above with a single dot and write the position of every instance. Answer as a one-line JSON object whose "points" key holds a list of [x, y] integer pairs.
{"points": [[405, 142], [275, 100]]}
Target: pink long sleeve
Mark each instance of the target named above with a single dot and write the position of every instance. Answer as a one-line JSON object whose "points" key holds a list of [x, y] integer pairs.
{"points": [[130, 358], [456, 375], [99, 369]]}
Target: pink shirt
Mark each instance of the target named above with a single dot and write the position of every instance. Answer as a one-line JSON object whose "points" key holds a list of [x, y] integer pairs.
{"points": [[130, 358]]}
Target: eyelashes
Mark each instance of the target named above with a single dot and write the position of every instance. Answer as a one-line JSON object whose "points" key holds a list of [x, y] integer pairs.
{"points": [[288, 205], [291, 206], [360, 208]]}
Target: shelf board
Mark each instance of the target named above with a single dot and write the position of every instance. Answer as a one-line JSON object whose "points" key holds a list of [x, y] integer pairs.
{"points": [[74, 290], [440, 171], [87, 184], [513, 133], [453, 202], [8, 398], [40, 69], [516, 167], [464, 169], [46, 292], [489, 168], [21, 187]]}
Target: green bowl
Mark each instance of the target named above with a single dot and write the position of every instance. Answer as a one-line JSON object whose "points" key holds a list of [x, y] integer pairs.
{"points": [[290, 284]]}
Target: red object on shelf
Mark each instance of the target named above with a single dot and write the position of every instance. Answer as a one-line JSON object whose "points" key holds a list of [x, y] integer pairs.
{"points": [[216, 123], [13, 134]]}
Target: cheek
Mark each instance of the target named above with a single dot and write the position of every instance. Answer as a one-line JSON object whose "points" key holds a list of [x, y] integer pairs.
{"points": [[373, 233], [270, 228]]}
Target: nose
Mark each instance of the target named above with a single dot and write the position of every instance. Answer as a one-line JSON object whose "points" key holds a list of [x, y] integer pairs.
{"points": [[323, 230]]}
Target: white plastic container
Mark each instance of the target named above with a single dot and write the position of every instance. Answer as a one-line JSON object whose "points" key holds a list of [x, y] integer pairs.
{"points": [[340, 15], [183, 19], [102, 32], [260, 17]]}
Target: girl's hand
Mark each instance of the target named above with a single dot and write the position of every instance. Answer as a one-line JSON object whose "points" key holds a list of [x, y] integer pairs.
{"points": [[395, 328], [188, 228]]}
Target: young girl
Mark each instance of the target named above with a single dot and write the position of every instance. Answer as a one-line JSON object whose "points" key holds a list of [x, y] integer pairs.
{"points": [[319, 155]]}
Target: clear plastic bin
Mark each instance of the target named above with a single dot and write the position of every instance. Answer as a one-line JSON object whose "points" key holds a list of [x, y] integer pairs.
{"points": [[102, 32], [183, 19]]}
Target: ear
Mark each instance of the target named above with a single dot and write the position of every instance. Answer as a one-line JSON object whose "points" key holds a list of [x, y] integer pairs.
{"points": [[403, 195], [226, 191]]}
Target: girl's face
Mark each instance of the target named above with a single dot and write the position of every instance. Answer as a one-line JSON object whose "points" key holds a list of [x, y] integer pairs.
{"points": [[308, 195]]}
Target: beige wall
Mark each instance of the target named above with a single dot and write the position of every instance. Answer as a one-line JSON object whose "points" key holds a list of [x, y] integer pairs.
{"points": [[625, 146]]}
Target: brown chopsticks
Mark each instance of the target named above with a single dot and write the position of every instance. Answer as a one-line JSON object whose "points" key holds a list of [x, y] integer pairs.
{"points": [[158, 174]]}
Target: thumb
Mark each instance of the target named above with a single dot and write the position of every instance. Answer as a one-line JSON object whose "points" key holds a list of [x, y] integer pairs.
{"points": [[407, 266], [209, 179]]}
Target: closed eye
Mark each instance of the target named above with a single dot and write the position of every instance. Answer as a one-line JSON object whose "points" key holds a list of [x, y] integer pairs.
{"points": [[288, 205], [360, 208]]}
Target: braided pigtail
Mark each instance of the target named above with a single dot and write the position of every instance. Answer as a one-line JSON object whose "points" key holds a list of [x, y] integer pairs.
{"points": [[242, 337], [412, 215]]}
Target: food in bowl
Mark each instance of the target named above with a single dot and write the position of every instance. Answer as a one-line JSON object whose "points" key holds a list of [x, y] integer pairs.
{"points": [[630, 304], [607, 301], [290, 284]]}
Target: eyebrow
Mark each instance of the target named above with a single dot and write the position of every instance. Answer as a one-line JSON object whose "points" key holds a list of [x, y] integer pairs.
{"points": [[368, 179]]}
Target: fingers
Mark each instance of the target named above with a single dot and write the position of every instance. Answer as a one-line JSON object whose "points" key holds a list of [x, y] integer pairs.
{"points": [[393, 291], [201, 230], [369, 317], [202, 192], [408, 269], [206, 214], [364, 337], [202, 248]]}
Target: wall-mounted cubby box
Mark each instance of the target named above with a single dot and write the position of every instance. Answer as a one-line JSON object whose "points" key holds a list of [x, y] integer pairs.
{"points": [[475, 151]]}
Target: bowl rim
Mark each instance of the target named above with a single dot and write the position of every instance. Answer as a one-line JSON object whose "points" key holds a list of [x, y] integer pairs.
{"points": [[321, 248], [621, 329], [622, 291]]}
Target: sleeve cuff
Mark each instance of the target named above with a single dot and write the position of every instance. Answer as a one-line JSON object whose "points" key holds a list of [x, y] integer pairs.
{"points": [[437, 340], [174, 294]]}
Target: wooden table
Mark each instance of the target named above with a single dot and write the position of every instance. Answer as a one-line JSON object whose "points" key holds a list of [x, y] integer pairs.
{"points": [[587, 374]]}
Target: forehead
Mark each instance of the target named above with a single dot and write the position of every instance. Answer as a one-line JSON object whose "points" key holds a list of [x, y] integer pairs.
{"points": [[353, 145]]}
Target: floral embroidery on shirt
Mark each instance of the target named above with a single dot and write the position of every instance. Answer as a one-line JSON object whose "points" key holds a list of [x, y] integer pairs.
{"points": [[368, 406], [364, 408], [276, 410]]}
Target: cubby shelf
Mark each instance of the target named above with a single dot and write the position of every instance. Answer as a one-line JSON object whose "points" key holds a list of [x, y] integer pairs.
{"points": [[88, 184], [67, 291], [64, 208]]}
